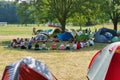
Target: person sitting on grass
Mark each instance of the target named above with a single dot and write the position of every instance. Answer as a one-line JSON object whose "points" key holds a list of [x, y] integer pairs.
{"points": [[18, 41], [61, 47], [31, 40], [86, 43], [54, 46], [91, 42], [22, 45], [29, 45], [74, 47], [14, 43], [78, 45], [67, 46], [44, 47], [37, 46], [55, 39], [82, 44]]}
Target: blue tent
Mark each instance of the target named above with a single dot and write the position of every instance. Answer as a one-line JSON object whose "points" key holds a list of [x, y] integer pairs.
{"points": [[104, 35], [65, 36]]}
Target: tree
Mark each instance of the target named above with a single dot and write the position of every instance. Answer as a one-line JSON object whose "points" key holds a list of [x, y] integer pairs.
{"points": [[32, 11], [79, 19], [61, 9], [112, 9], [24, 13], [88, 12], [54, 9]]}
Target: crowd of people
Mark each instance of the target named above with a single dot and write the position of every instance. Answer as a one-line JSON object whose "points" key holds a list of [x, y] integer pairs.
{"points": [[32, 43]]}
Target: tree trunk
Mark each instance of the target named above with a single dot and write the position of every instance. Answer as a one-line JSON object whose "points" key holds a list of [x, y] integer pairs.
{"points": [[80, 27], [63, 23], [115, 22]]}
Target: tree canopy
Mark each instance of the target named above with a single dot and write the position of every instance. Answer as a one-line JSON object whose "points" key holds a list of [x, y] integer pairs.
{"points": [[80, 11], [111, 9]]}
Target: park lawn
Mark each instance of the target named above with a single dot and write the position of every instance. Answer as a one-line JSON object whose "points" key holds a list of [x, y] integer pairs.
{"points": [[65, 65], [14, 30]]}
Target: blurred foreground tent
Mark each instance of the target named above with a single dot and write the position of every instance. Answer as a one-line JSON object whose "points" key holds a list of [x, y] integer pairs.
{"points": [[27, 69], [105, 64]]}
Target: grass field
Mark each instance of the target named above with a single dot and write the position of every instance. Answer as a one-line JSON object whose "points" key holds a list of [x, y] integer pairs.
{"points": [[65, 65]]}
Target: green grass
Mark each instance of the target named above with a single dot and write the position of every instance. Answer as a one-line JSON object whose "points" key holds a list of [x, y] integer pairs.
{"points": [[27, 30], [15, 30], [65, 65]]}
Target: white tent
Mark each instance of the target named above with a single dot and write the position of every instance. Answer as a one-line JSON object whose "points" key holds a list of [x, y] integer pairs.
{"points": [[105, 65]]}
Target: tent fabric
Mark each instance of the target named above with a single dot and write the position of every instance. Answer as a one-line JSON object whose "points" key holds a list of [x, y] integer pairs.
{"points": [[94, 58], [55, 31], [82, 37], [48, 31], [27, 69], [114, 68], [104, 30], [42, 36], [5, 75], [105, 64], [65, 36], [73, 32], [104, 35], [115, 39], [39, 31]]}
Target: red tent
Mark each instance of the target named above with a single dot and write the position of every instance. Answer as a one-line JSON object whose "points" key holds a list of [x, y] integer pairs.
{"points": [[105, 64], [27, 69]]}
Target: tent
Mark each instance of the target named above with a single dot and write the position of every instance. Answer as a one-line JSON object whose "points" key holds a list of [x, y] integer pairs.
{"points": [[115, 39], [65, 36], [55, 31], [38, 31], [48, 31], [27, 69], [82, 37], [42, 36], [105, 64], [73, 32], [104, 35]]}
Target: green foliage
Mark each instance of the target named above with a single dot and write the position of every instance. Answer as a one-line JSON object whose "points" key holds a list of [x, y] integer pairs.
{"points": [[61, 10], [24, 12], [92, 11], [111, 8], [79, 19]]}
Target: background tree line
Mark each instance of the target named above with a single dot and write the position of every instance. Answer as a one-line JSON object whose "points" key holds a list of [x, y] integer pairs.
{"points": [[8, 12], [80, 12]]}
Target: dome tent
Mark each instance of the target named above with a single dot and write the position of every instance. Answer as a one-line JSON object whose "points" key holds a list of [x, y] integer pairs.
{"points": [[115, 39], [105, 64], [65, 36], [55, 31], [104, 35], [27, 69], [42, 36]]}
